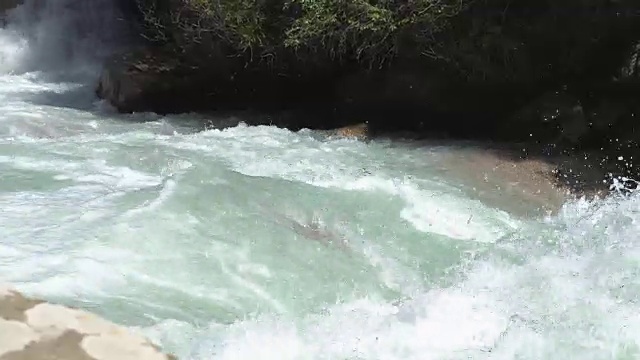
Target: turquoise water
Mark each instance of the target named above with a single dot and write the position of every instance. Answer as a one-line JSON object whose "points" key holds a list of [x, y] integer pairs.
{"points": [[261, 243]]}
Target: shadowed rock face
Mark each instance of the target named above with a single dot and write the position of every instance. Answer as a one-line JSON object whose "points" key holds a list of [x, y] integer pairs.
{"points": [[9, 4], [32, 329], [6, 5]]}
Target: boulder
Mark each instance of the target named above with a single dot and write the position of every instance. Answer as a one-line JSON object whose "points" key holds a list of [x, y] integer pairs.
{"points": [[33, 329], [357, 131], [141, 81], [165, 81]]}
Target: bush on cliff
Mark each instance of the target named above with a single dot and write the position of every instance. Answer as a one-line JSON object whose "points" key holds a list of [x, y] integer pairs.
{"points": [[474, 62], [490, 39], [367, 31]]}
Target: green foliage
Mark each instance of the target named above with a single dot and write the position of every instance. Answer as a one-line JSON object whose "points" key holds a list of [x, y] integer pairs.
{"points": [[364, 30], [240, 22], [485, 39], [342, 28], [237, 23], [367, 30]]}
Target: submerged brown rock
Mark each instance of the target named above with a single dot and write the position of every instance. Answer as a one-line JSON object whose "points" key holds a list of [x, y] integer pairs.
{"points": [[357, 132], [528, 185], [32, 329]]}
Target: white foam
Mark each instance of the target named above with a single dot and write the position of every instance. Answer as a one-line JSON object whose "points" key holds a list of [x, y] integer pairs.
{"points": [[59, 35], [570, 301], [166, 191], [431, 207], [12, 49], [436, 326], [60, 256], [567, 288], [455, 217]]}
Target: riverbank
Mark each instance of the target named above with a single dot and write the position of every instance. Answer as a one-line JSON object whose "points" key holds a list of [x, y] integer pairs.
{"points": [[584, 129], [32, 329]]}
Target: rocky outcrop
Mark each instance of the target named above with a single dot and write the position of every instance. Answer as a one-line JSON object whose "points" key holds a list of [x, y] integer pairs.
{"points": [[459, 76], [415, 96], [141, 81], [33, 329], [516, 78], [163, 81]]}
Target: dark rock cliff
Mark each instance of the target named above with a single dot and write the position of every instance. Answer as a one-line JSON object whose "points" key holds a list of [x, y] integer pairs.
{"points": [[562, 74]]}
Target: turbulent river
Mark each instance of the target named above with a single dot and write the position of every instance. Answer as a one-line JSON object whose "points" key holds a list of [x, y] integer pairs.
{"points": [[261, 243]]}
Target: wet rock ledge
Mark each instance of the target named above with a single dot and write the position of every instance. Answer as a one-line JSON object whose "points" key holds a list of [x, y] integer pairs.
{"points": [[33, 329]]}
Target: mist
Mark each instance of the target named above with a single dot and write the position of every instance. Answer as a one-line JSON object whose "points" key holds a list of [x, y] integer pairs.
{"points": [[62, 38]]}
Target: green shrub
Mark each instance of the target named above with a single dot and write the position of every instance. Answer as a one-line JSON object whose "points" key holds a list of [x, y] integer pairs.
{"points": [[355, 29], [505, 40]]}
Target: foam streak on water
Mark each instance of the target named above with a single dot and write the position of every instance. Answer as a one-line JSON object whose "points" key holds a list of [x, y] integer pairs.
{"points": [[260, 243]]}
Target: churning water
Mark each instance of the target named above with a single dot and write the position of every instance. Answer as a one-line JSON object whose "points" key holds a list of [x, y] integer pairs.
{"points": [[260, 243]]}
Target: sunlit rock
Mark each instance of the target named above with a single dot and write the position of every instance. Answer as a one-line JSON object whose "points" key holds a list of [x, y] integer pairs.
{"points": [[32, 329], [357, 131]]}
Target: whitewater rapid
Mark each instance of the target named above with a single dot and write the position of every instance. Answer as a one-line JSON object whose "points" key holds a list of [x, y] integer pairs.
{"points": [[261, 243]]}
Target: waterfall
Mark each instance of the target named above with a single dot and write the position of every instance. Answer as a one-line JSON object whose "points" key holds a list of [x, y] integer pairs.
{"points": [[62, 36]]}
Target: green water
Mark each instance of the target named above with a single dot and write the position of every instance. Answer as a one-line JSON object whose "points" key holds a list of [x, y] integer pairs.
{"points": [[260, 243]]}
